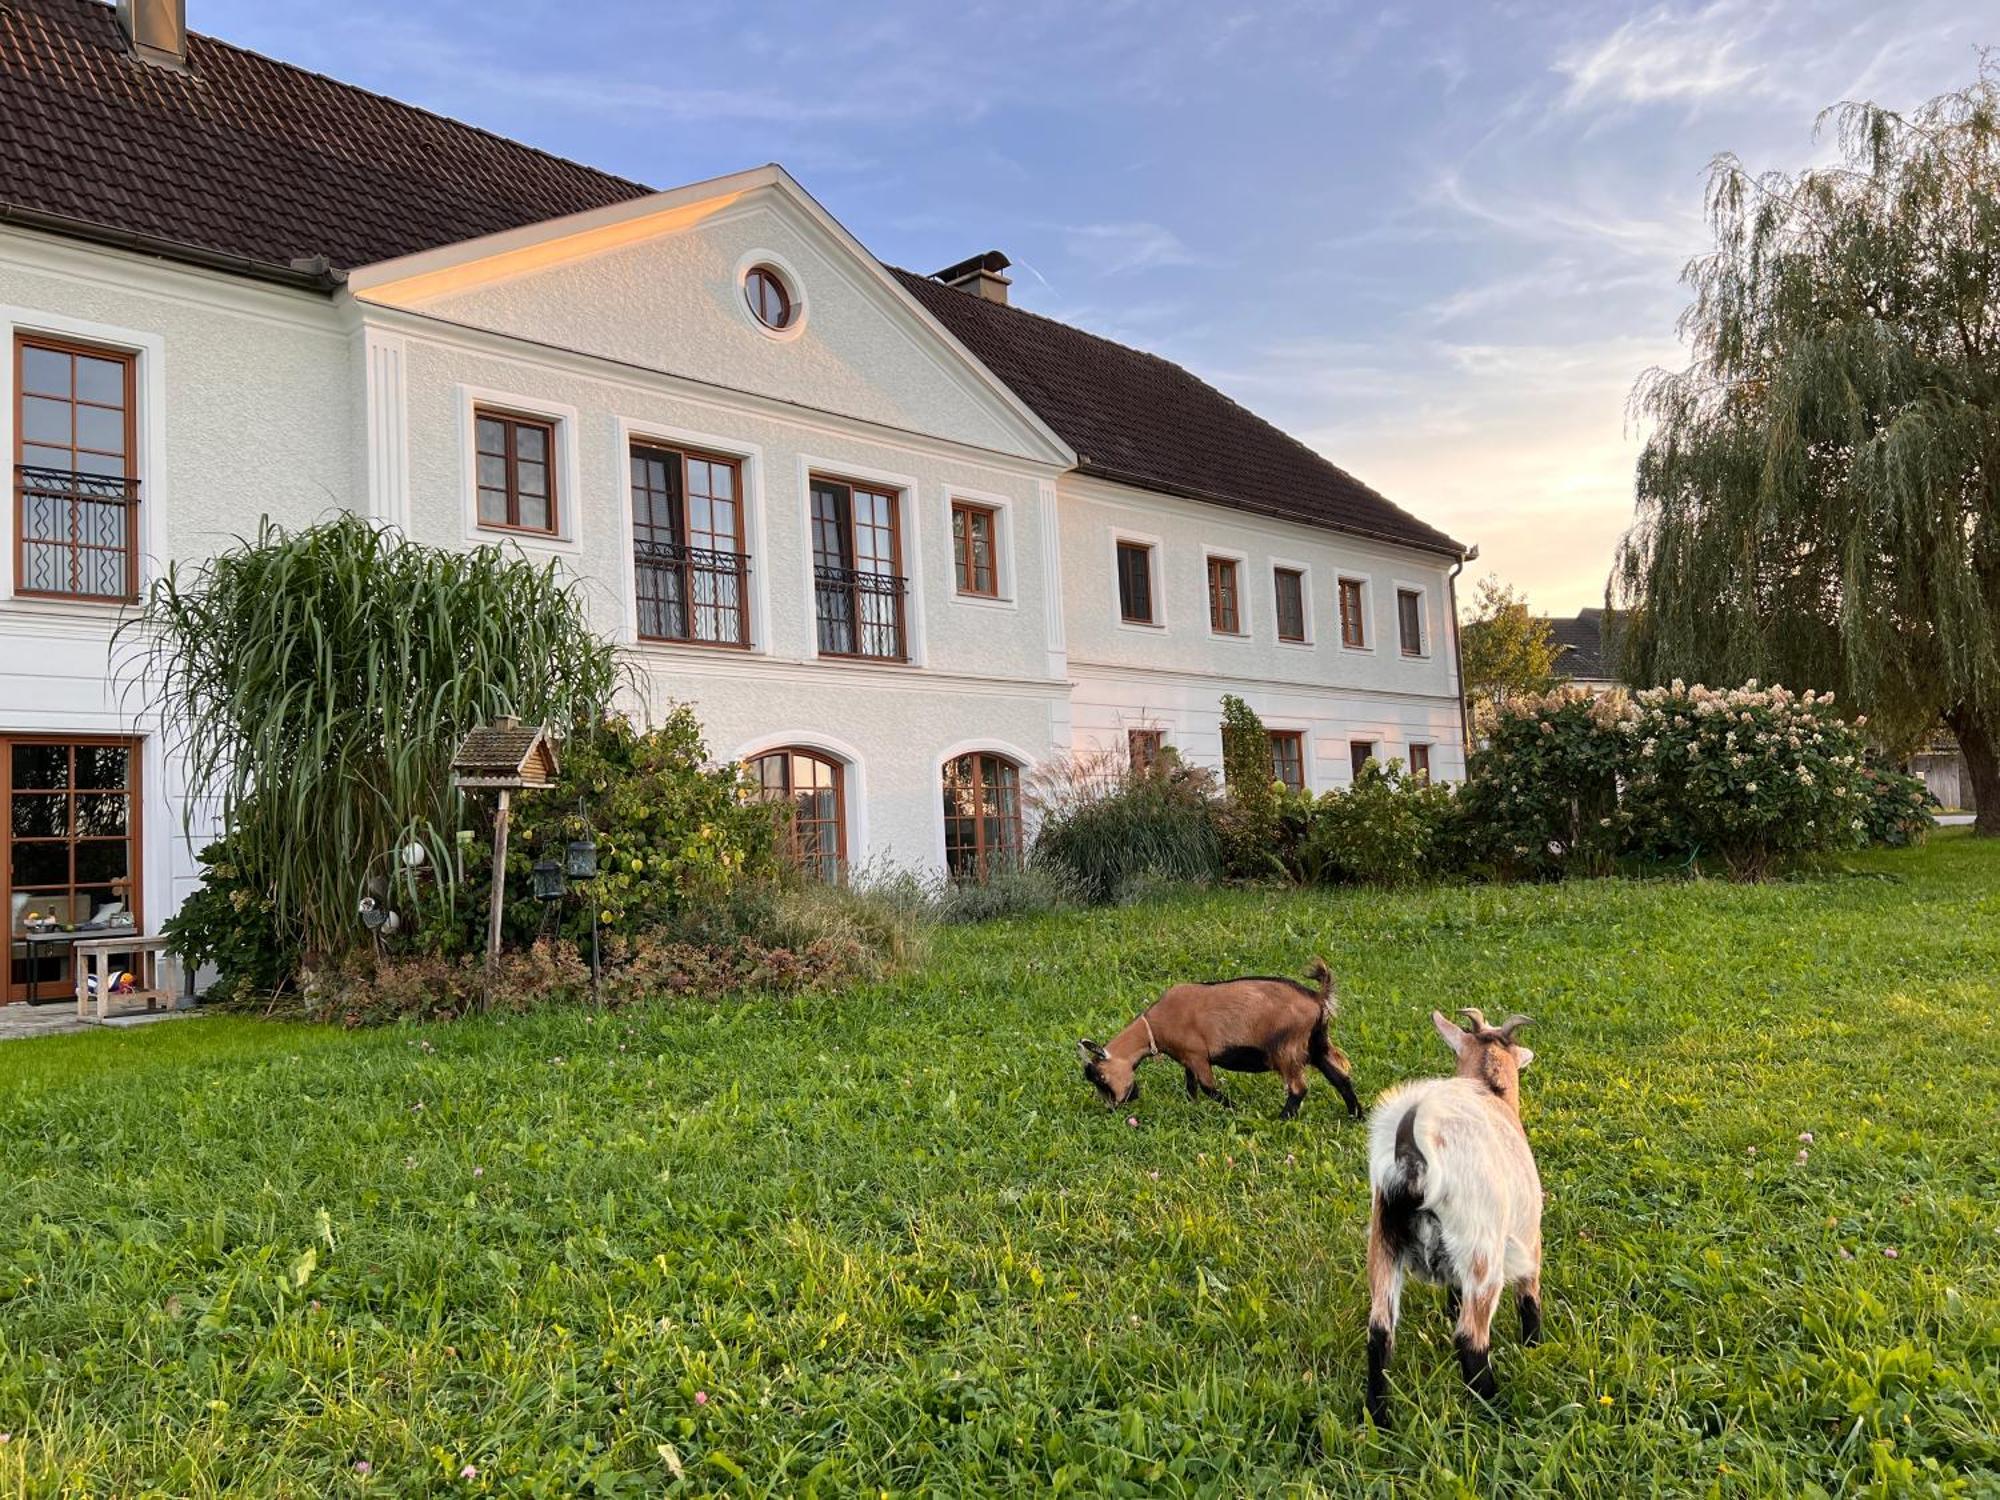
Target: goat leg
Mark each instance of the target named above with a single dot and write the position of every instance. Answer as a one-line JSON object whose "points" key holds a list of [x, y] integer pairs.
{"points": [[1385, 1294]]}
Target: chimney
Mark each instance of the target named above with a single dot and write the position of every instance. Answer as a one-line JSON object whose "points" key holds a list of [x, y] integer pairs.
{"points": [[980, 276], [157, 30]]}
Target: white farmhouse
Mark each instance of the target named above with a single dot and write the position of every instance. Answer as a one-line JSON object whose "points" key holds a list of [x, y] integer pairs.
{"points": [[896, 540]]}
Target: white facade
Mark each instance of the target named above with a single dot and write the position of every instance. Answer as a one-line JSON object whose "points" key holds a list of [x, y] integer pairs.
{"points": [[629, 326]]}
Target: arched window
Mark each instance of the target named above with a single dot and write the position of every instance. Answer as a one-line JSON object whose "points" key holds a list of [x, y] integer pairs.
{"points": [[810, 784], [982, 815]]}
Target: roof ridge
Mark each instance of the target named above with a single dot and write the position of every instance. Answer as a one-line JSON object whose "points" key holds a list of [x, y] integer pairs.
{"points": [[355, 89], [1180, 369]]}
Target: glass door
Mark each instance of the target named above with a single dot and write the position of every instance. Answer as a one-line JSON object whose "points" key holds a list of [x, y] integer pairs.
{"points": [[70, 823]]}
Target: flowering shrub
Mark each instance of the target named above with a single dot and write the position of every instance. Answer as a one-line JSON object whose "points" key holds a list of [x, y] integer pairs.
{"points": [[1896, 807], [1752, 777], [1249, 817], [1541, 796], [228, 923], [1384, 829]]}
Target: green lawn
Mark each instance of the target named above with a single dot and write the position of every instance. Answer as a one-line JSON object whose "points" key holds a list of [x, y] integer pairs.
{"points": [[888, 1241]]}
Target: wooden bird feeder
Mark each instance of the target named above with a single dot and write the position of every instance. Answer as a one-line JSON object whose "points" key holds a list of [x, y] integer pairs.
{"points": [[504, 757]]}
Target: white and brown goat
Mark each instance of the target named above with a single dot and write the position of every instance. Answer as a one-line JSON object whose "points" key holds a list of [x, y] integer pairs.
{"points": [[1255, 1024], [1457, 1201]]}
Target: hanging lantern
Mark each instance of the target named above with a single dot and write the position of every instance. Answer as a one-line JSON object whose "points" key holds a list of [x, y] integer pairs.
{"points": [[580, 858], [548, 880]]}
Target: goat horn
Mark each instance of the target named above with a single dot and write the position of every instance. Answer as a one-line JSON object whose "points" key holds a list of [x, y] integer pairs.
{"points": [[1512, 1023], [1478, 1017]]}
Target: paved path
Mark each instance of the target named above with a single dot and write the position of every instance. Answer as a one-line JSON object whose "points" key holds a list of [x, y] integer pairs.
{"points": [[21, 1020]]}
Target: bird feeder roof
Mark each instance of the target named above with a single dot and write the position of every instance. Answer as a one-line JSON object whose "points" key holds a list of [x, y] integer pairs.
{"points": [[505, 753]]}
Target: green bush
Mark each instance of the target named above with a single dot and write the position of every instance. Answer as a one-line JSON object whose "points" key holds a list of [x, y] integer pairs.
{"points": [[1897, 808], [229, 923], [1249, 819], [675, 835], [1383, 830], [1105, 825]]}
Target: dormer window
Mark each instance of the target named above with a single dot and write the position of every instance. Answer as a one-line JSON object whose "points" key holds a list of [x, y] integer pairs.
{"points": [[769, 298]]}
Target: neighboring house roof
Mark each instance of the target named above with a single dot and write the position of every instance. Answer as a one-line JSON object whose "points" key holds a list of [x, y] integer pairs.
{"points": [[251, 157], [1581, 650], [1142, 420], [246, 159]]}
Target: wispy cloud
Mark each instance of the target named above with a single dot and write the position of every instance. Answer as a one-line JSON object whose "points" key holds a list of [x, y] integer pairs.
{"points": [[1671, 54], [1116, 249]]}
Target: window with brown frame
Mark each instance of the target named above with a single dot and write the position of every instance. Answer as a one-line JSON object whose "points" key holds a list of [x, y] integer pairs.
{"points": [[690, 569], [516, 456], [974, 553], [1359, 753], [1353, 619], [1288, 758], [809, 785], [69, 830], [1225, 601], [1420, 762], [76, 476], [1410, 621], [1135, 584], [858, 570], [769, 298], [1143, 748], [1290, 585], [982, 816]]}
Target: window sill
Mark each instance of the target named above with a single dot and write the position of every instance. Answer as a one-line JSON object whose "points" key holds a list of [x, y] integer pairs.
{"points": [[984, 601], [1358, 650], [1295, 645], [673, 647], [1144, 627], [1241, 637], [855, 659], [65, 607]]}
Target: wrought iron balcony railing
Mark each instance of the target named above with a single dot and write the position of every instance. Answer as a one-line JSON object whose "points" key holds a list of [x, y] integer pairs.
{"points": [[76, 533], [861, 613], [692, 594]]}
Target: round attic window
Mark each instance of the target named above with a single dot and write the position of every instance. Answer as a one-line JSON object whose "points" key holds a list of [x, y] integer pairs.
{"points": [[770, 300]]}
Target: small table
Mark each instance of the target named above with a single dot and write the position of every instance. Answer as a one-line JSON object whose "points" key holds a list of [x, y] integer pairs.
{"points": [[155, 974], [60, 937]]}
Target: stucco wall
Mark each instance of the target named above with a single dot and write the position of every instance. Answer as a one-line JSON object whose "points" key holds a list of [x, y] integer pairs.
{"points": [[675, 303], [244, 409], [1171, 675]]}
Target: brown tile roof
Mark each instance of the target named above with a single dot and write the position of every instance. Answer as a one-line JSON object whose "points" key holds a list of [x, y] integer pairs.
{"points": [[249, 156], [1145, 421]]}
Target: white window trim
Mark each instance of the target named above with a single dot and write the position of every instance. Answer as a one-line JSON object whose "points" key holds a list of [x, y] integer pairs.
{"points": [[1424, 632], [1308, 748], [1368, 632], [853, 779], [1347, 743], [1004, 514], [987, 746], [750, 456], [1245, 619], [1410, 747], [794, 287], [1155, 571], [568, 535], [149, 391], [909, 535], [1305, 572]]}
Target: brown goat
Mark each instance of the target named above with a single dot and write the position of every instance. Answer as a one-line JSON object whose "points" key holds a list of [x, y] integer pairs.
{"points": [[1256, 1024]]}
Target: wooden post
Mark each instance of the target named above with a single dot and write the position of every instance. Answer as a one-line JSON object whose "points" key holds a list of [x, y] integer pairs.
{"points": [[499, 900]]}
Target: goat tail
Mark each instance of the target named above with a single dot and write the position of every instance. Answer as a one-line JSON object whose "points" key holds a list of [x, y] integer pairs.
{"points": [[1322, 976]]}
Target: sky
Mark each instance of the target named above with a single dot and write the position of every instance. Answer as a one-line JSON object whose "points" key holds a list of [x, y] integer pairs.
{"points": [[1438, 240]]}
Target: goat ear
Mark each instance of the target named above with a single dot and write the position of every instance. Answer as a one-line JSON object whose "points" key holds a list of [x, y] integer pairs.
{"points": [[1090, 1051], [1447, 1028], [1522, 1057]]}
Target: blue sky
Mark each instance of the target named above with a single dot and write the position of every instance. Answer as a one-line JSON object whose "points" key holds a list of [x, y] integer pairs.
{"points": [[1438, 241]]}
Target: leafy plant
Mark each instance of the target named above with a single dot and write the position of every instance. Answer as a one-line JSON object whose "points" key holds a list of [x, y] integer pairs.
{"points": [[1105, 824], [314, 684], [227, 923], [1252, 796], [1504, 648], [1383, 830], [1541, 794]]}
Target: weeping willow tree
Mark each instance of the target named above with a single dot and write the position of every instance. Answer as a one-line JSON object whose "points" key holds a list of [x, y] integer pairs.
{"points": [[1819, 500], [314, 684]]}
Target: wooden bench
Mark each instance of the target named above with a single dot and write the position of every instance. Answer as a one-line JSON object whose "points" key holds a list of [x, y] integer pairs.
{"points": [[155, 971]]}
